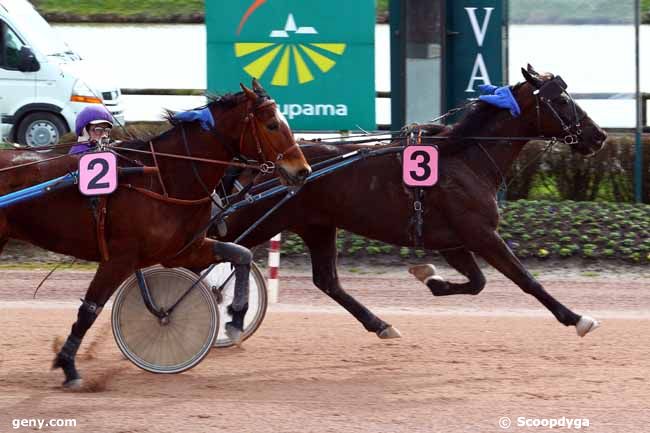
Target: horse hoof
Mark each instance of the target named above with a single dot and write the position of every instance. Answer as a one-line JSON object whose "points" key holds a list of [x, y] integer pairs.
{"points": [[585, 325], [233, 334], [73, 384], [389, 332], [423, 272]]}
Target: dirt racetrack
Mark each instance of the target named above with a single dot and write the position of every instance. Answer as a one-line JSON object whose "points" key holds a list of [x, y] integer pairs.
{"points": [[462, 364]]}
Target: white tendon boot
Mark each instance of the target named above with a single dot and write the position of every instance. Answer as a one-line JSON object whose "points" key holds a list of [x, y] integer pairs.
{"points": [[425, 273]]}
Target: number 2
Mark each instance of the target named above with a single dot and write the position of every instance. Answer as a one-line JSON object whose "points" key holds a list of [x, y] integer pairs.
{"points": [[97, 173], [94, 182]]}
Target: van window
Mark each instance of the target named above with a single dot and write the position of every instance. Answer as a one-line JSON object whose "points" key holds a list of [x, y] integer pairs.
{"points": [[11, 45], [41, 37]]}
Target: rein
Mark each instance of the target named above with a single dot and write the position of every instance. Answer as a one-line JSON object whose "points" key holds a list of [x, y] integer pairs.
{"points": [[27, 164], [189, 158]]}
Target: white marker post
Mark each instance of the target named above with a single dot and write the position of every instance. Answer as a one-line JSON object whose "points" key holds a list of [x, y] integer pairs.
{"points": [[274, 268]]}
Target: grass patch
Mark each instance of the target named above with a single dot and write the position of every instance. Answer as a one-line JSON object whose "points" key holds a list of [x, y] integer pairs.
{"points": [[573, 11], [382, 6], [48, 266], [123, 8], [141, 11]]}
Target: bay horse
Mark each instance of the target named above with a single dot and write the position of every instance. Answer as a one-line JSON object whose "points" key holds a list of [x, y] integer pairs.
{"points": [[149, 218], [460, 213]]}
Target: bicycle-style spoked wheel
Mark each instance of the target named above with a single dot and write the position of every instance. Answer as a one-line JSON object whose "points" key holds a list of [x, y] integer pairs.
{"points": [[257, 300], [176, 343]]}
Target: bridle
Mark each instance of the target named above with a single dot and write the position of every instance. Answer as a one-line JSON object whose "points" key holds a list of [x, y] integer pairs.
{"points": [[549, 91], [266, 165]]}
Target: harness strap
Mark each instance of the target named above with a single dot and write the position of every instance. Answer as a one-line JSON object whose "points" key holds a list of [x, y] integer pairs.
{"points": [[155, 162], [101, 227], [418, 198], [27, 164], [190, 158], [99, 209], [162, 198]]}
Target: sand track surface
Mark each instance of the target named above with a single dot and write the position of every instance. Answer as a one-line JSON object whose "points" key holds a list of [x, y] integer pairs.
{"points": [[462, 364]]}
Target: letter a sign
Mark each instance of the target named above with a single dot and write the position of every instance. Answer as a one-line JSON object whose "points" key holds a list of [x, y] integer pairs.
{"points": [[474, 47]]}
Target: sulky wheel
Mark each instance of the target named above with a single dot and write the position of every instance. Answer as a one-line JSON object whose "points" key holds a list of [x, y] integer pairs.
{"points": [[176, 343], [257, 300]]}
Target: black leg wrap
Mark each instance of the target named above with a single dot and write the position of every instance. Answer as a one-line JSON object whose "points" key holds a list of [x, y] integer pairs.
{"points": [[438, 288], [85, 318], [65, 359], [237, 317]]}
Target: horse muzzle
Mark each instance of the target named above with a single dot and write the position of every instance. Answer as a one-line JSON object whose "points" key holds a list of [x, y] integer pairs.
{"points": [[293, 177]]}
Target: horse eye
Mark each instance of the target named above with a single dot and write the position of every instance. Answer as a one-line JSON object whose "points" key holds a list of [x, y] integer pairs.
{"points": [[273, 126]]}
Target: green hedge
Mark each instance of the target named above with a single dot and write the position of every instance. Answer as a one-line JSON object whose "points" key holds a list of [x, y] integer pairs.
{"points": [[192, 11], [541, 229]]}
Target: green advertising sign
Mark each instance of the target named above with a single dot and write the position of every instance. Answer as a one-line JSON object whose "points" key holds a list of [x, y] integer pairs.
{"points": [[315, 58], [475, 48]]}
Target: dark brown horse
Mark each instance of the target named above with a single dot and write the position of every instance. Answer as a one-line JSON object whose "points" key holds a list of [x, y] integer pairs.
{"points": [[143, 229], [460, 213]]}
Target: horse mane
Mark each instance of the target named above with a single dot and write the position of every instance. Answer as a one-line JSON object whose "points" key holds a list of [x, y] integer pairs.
{"points": [[479, 120], [225, 101]]}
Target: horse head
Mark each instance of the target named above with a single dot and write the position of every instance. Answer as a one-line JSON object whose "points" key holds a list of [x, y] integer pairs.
{"points": [[552, 112], [267, 137]]}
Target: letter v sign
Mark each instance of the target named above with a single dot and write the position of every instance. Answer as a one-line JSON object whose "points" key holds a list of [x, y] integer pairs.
{"points": [[479, 33]]}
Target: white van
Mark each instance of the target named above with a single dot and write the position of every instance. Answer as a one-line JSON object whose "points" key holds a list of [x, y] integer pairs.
{"points": [[43, 83]]}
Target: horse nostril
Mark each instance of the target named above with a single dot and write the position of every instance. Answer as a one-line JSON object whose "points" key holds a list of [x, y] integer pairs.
{"points": [[302, 174]]}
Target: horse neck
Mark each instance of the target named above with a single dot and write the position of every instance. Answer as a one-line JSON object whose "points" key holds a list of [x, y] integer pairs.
{"points": [[183, 178], [493, 159]]}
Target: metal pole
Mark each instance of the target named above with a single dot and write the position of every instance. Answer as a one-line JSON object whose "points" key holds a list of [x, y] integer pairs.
{"points": [[638, 154]]}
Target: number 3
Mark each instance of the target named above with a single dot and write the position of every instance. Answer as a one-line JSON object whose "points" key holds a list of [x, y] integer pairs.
{"points": [[420, 166]]}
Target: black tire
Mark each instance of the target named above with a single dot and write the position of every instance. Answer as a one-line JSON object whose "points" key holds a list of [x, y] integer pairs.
{"points": [[40, 129]]}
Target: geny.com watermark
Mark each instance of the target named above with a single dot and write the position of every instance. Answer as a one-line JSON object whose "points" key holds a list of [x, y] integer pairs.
{"points": [[563, 422], [41, 423]]}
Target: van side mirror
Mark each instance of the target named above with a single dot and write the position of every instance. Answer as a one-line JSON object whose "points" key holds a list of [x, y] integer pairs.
{"points": [[27, 61]]}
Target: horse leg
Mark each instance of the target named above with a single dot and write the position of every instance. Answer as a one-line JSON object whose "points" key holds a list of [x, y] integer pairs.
{"points": [[211, 251], [464, 262], [321, 241], [495, 251], [108, 277], [3, 232]]}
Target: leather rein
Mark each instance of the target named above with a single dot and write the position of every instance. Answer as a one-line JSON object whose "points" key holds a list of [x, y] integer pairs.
{"points": [[250, 120]]}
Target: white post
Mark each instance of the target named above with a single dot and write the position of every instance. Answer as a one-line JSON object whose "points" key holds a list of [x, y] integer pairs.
{"points": [[274, 268]]}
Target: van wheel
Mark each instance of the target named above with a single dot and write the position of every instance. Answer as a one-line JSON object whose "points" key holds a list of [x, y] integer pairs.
{"points": [[41, 129]]}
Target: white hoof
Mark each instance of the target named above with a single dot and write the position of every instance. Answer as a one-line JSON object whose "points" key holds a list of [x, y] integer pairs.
{"points": [[423, 272], [585, 325], [233, 334], [73, 385], [389, 332]]}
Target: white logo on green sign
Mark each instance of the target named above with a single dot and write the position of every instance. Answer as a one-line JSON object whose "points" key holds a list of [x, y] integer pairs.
{"points": [[306, 58]]}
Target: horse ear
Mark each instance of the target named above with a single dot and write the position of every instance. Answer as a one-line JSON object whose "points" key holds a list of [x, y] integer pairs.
{"points": [[535, 81], [249, 93], [532, 70], [257, 87]]}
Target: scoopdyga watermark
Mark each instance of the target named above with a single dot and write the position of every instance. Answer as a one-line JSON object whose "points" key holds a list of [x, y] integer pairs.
{"points": [[559, 423]]}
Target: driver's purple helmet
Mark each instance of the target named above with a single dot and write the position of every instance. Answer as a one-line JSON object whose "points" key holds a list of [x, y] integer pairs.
{"points": [[92, 114]]}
